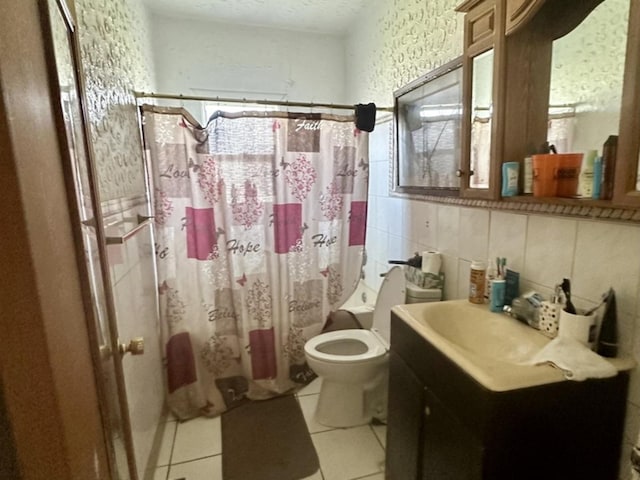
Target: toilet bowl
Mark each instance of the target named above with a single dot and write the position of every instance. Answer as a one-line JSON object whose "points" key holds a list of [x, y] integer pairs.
{"points": [[353, 364]]}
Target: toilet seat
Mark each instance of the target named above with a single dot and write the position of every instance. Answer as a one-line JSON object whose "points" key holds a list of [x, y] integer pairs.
{"points": [[392, 292], [369, 340]]}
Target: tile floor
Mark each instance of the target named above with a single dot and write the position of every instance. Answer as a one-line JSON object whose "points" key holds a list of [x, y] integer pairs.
{"points": [[193, 450]]}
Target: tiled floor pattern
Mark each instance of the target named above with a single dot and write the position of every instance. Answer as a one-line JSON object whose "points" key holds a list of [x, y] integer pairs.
{"points": [[193, 450]]}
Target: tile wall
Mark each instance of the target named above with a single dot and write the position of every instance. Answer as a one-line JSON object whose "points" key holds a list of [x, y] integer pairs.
{"points": [[595, 255]]}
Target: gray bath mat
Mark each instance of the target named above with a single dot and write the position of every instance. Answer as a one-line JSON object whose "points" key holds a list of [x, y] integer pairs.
{"points": [[267, 440]]}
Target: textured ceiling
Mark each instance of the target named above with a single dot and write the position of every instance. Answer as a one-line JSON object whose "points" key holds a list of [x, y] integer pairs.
{"points": [[323, 16]]}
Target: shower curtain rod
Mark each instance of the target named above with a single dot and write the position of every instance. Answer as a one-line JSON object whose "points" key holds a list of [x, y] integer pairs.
{"points": [[285, 103]]}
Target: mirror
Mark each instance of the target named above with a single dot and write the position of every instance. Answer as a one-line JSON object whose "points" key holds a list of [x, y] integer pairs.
{"points": [[586, 80], [428, 126], [481, 119]]}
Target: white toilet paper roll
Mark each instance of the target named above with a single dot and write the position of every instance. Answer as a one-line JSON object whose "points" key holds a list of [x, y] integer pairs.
{"points": [[431, 262]]}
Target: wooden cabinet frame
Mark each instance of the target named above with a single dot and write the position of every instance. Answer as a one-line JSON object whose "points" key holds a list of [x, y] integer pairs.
{"points": [[625, 192], [483, 31], [522, 35]]}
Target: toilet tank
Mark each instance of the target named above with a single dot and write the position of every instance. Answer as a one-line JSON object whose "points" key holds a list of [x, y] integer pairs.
{"points": [[414, 294]]}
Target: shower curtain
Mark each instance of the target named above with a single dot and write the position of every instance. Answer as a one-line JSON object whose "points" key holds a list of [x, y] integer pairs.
{"points": [[260, 231]]}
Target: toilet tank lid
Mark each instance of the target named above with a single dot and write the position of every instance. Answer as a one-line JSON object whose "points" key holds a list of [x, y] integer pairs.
{"points": [[424, 293]]}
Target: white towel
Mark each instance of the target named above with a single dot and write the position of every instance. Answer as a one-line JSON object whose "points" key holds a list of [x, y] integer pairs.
{"points": [[575, 360]]}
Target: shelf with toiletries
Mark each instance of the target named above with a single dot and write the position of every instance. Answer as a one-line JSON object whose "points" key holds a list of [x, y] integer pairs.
{"points": [[524, 37]]}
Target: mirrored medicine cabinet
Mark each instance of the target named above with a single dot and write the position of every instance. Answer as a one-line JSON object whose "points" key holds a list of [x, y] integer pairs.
{"points": [[565, 72], [427, 126]]}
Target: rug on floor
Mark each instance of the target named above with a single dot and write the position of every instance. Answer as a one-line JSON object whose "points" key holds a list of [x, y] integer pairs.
{"points": [[267, 440]]}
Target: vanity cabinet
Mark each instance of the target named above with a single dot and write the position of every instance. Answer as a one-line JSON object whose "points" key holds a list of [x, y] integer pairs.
{"points": [[442, 424]]}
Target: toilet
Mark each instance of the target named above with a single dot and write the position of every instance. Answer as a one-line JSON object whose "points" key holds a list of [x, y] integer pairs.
{"points": [[353, 364]]}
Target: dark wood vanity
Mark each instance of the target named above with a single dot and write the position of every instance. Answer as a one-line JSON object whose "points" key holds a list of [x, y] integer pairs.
{"points": [[443, 424]]}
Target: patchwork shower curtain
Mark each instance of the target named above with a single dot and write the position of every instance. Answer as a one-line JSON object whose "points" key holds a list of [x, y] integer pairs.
{"points": [[260, 231]]}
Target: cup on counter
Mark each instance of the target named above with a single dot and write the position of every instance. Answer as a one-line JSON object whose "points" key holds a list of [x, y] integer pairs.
{"points": [[550, 318], [579, 327]]}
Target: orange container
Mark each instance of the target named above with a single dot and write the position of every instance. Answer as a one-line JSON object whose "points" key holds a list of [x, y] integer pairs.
{"points": [[544, 175], [568, 173], [556, 175]]}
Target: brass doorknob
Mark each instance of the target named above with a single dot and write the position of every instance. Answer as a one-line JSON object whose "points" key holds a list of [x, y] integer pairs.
{"points": [[135, 347]]}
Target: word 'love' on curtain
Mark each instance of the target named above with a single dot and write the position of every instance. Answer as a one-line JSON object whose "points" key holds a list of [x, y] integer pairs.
{"points": [[260, 231]]}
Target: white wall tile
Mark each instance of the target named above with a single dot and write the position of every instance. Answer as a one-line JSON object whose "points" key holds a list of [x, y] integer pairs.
{"points": [[372, 207], [634, 383], [409, 212], [376, 244], [450, 270], [397, 248], [464, 272], [507, 237], [549, 249], [395, 215], [448, 229], [376, 279], [424, 225], [161, 473], [627, 331], [379, 178], [474, 234], [379, 142], [607, 255]]}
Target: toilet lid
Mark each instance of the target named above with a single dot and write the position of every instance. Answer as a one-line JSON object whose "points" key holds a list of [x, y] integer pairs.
{"points": [[392, 292]]}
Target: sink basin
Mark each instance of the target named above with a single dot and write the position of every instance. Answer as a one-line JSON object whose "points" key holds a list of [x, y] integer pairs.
{"points": [[476, 329], [493, 348]]}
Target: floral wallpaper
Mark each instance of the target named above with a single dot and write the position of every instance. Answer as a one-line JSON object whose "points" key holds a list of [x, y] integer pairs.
{"points": [[116, 57], [397, 41], [577, 78]]}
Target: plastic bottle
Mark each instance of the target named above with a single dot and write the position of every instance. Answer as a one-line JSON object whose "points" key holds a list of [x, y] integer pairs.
{"points": [[597, 177], [527, 186], [585, 180], [510, 174], [476, 281], [609, 153], [492, 274]]}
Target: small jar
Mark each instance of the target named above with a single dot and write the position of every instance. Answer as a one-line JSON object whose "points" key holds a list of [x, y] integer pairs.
{"points": [[477, 281]]}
